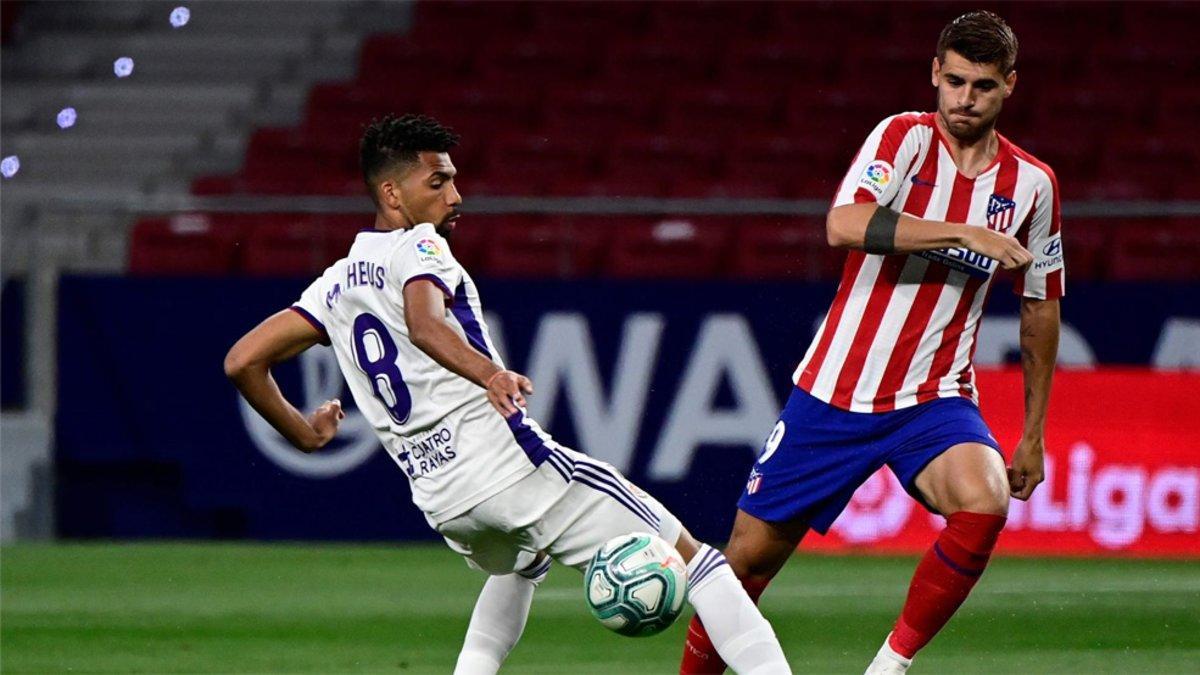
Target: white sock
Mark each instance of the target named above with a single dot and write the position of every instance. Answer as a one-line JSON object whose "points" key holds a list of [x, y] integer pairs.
{"points": [[738, 631], [498, 620], [887, 661]]}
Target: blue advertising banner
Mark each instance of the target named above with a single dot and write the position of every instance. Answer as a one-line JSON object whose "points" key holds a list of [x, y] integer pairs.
{"points": [[675, 383]]}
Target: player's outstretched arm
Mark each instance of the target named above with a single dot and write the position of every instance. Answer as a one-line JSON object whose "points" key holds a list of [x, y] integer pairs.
{"points": [[877, 229], [425, 315], [1039, 351], [248, 365]]}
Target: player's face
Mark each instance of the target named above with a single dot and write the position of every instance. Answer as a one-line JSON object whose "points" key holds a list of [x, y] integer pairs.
{"points": [[427, 194], [970, 95]]}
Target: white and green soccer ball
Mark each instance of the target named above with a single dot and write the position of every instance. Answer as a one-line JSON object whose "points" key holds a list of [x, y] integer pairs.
{"points": [[636, 585]]}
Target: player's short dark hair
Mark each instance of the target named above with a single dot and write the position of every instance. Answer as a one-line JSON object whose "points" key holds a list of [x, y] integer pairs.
{"points": [[392, 142], [981, 37]]}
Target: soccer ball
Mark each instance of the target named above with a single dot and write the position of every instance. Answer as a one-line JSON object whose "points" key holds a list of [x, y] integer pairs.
{"points": [[636, 585]]}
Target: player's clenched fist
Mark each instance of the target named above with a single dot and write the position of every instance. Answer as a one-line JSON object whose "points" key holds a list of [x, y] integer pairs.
{"points": [[506, 390], [1028, 468], [998, 246], [325, 420]]}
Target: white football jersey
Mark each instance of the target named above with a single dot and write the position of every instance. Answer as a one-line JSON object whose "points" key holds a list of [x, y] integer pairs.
{"points": [[437, 426]]}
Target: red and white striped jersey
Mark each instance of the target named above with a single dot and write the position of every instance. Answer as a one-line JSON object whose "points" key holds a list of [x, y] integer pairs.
{"points": [[902, 328]]}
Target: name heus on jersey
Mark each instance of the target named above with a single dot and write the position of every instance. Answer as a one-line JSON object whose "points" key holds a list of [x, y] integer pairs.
{"points": [[364, 273]]}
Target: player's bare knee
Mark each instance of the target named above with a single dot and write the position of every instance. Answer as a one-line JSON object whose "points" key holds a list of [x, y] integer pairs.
{"points": [[990, 498]]}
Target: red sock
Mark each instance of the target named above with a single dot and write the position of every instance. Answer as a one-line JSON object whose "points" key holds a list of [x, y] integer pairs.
{"points": [[699, 655], [944, 577]]}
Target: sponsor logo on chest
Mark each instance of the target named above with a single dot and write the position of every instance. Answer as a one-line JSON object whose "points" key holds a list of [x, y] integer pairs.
{"points": [[427, 453]]}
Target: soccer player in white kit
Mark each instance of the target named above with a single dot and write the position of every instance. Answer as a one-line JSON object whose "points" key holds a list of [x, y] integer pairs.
{"points": [[404, 319]]}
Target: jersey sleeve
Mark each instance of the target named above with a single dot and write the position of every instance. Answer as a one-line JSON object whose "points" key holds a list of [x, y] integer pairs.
{"points": [[426, 255], [873, 175], [1044, 279], [311, 306]]}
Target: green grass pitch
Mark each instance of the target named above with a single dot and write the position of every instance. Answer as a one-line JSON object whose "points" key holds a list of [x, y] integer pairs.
{"points": [[176, 608]]}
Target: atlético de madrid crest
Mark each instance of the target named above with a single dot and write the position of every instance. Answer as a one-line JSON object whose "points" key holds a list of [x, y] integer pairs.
{"points": [[1000, 213]]}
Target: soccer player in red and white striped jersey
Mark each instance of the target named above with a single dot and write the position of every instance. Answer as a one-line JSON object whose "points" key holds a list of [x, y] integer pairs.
{"points": [[932, 207]]}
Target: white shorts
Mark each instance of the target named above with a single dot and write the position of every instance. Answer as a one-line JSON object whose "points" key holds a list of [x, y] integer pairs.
{"points": [[568, 508]]}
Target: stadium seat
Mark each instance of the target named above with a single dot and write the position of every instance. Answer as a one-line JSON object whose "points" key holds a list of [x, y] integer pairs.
{"points": [[1087, 247], [539, 158], [679, 248], [546, 62], [655, 63], [589, 18], [470, 239], [599, 111], [720, 111], [181, 245], [1157, 251], [525, 246], [782, 248], [661, 157], [295, 247]]}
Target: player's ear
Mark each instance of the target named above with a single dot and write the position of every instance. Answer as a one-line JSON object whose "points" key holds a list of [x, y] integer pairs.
{"points": [[1010, 81], [389, 193], [937, 71]]}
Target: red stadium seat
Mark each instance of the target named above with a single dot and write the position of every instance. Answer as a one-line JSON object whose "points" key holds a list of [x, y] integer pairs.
{"points": [[477, 110], [471, 238], [383, 57], [661, 157], [214, 185], [473, 19], [588, 18], [540, 158], [735, 187], [546, 62], [1151, 250], [293, 248], [535, 246], [651, 64], [181, 245], [707, 23], [785, 248], [1088, 247], [338, 230], [720, 111], [330, 183], [680, 248], [600, 111], [789, 62]]}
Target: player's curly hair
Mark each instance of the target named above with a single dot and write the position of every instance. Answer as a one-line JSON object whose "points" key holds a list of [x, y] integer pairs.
{"points": [[392, 142], [981, 37]]}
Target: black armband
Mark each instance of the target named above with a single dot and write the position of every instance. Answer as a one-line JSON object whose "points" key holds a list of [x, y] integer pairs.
{"points": [[880, 237]]}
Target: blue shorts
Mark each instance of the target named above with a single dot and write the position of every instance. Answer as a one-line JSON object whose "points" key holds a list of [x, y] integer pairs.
{"points": [[818, 455]]}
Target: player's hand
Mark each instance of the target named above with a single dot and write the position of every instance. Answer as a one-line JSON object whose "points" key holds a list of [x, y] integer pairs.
{"points": [[1028, 468], [506, 390], [998, 246], [325, 421]]}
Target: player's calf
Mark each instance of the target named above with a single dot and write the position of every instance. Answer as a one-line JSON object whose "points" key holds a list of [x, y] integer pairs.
{"points": [[499, 618], [736, 630], [942, 581], [757, 550]]}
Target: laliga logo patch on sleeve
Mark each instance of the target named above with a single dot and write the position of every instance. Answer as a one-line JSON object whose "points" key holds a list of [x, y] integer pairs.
{"points": [[876, 177], [1049, 257], [429, 252]]}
